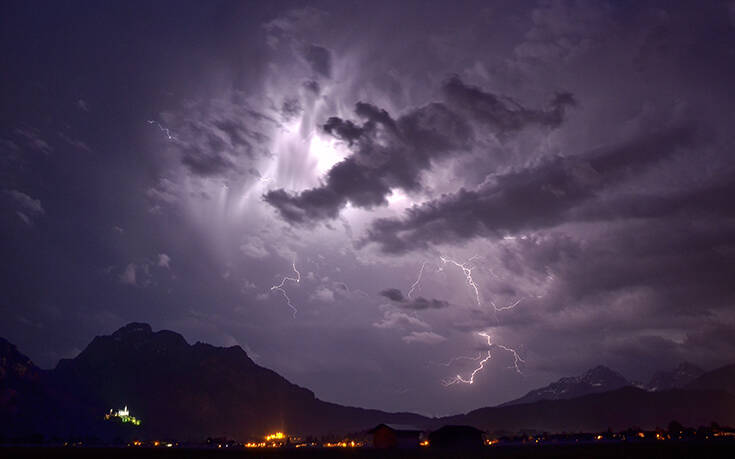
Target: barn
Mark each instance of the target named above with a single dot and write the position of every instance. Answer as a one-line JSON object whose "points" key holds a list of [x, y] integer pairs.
{"points": [[456, 437], [395, 436]]}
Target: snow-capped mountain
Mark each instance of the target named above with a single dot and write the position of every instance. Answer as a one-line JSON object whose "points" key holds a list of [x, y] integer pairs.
{"points": [[598, 379], [676, 378]]}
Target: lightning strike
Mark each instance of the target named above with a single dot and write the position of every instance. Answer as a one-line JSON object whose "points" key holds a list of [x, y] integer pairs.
{"points": [[279, 287], [516, 358], [418, 280], [166, 131], [455, 359], [467, 270], [505, 308], [468, 274], [471, 379]]}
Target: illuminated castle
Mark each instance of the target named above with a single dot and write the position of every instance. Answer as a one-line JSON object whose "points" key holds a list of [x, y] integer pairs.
{"points": [[123, 416]]}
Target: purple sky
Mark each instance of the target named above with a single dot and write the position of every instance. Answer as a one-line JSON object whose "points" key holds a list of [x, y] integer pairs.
{"points": [[168, 162]]}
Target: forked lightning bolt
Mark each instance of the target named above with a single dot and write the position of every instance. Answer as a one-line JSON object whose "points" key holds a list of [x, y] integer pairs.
{"points": [[467, 270], [418, 280], [280, 288], [459, 379], [165, 130], [516, 358], [455, 359]]}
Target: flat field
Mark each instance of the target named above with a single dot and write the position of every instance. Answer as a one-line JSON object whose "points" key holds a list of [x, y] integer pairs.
{"points": [[617, 450]]}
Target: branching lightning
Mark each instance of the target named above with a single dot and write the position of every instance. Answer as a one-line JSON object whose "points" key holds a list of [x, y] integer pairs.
{"points": [[455, 359], [166, 131], [279, 287], [516, 358], [471, 379], [467, 270], [505, 308], [418, 280]]}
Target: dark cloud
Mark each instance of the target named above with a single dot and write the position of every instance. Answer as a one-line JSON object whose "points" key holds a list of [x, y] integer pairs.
{"points": [[320, 60], [388, 154], [208, 164], [420, 303], [621, 256], [711, 199], [312, 86], [502, 114], [221, 137], [393, 153], [290, 108], [416, 304], [536, 197], [393, 294]]}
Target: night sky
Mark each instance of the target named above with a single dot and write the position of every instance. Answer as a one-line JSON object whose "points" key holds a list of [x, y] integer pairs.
{"points": [[557, 175]]}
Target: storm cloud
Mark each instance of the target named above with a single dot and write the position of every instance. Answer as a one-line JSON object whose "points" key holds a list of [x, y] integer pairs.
{"points": [[533, 198], [390, 153], [417, 304], [557, 175]]}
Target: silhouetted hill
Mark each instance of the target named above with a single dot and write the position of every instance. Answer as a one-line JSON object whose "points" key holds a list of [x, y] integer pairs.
{"points": [[618, 409], [18, 376], [674, 379], [191, 391], [720, 379], [598, 379], [184, 391], [22, 393]]}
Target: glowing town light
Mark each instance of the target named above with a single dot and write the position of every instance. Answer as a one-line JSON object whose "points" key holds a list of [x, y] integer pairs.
{"points": [[280, 288], [123, 416], [344, 444], [275, 436]]}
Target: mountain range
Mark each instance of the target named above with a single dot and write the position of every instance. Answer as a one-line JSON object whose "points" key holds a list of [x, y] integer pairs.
{"points": [[190, 392], [602, 379]]}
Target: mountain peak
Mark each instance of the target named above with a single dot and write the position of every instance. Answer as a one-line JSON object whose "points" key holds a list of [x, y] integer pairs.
{"points": [[138, 333], [15, 366], [679, 377], [594, 380], [688, 366], [134, 328], [602, 375]]}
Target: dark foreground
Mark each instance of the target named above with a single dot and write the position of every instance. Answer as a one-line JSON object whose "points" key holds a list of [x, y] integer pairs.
{"points": [[619, 450]]}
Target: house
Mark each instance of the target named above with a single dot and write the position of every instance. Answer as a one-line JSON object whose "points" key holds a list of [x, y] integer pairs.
{"points": [[456, 437], [395, 436]]}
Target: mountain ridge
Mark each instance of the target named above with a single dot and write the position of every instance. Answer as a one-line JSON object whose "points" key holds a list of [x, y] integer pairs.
{"points": [[183, 390], [675, 378], [597, 379], [191, 391]]}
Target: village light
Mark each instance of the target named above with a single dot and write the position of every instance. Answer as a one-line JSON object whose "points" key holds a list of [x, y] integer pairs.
{"points": [[123, 416], [275, 436]]}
